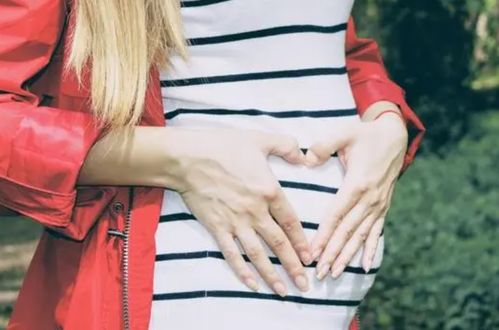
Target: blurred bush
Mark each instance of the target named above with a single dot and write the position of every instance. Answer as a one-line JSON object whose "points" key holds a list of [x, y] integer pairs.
{"points": [[441, 265]]}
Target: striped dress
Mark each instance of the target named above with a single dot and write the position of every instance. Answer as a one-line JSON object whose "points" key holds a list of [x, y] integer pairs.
{"points": [[276, 66]]}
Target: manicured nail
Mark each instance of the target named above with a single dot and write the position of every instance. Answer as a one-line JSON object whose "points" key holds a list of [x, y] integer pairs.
{"points": [[279, 288], [306, 257], [252, 284], [367, 266], [337, 271], [323, 271], [301, 282]]}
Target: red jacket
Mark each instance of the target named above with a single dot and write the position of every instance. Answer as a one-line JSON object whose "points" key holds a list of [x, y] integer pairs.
{"points": [[82, 276]]}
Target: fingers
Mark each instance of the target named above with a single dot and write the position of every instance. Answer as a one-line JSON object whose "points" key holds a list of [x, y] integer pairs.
{"points": [[341, 235], [371, 244], [283, 146], [321, 151], [257, 255], [283, 213], [279, 243], [233, 257], [347, 196], [352, 246]]}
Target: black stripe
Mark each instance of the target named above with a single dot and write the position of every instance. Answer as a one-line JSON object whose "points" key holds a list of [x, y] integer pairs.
{"points": [[176, 217], [253, 295], [278, 30], [307, 186], [219, 255], [256, 112], [309, 225], [200, 3], [253, 76]]}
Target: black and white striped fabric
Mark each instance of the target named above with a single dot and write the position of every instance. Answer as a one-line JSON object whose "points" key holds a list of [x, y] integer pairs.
{"points": [[276, 66]]}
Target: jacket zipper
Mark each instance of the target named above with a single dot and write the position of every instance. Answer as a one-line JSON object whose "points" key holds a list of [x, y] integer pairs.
{"points": [[126, 246]]}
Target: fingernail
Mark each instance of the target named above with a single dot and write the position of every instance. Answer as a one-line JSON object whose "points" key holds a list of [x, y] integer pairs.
{"points": [[323, 271], [337, 271], [301, 282], [306, 257], [279, 288], [311, 158], [252, 284], [366, 266]]}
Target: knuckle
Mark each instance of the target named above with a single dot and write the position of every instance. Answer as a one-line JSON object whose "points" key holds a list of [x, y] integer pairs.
{"points": [[231, 255], [363, 236], [278, 243], [216, 225], [270, 192], [262, 225], [253, 253], [361, 187], [295, 270], [248, 206], [347, 232], [244, 274], [375, 202], [271, 276], [288, 225]]}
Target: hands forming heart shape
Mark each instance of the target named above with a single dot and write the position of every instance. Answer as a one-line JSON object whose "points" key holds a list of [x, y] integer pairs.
{"points": [[239, 197]]}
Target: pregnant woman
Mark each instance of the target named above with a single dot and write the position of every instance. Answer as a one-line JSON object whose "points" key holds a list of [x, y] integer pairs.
{"points": [[258, 203]]}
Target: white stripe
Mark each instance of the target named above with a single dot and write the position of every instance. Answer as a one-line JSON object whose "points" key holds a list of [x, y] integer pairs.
{"points": [[255, 55], [230, 314], [187, 275], [312, 92], [305, 130], [243, 15]]}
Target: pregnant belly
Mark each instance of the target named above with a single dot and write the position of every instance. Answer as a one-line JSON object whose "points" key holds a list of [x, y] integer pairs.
{"points": [[190, 260]]}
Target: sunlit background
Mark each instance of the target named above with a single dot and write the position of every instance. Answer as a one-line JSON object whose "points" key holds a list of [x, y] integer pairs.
{"points": [[441, 265]]}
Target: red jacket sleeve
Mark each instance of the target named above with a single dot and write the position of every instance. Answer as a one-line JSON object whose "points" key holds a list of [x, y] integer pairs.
{"points": [[370, 83], [41, 148]]}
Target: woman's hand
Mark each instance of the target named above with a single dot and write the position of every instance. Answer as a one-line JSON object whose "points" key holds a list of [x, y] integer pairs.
{"points": [[373, 154], [224, 178]]}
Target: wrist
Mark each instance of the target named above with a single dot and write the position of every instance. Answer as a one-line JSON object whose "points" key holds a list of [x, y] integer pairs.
{"points": [[393, 113], [380, 109]]}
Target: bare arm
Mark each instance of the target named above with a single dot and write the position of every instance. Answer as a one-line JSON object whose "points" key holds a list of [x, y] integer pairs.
{"points": [[200, 165], [140, 158]]}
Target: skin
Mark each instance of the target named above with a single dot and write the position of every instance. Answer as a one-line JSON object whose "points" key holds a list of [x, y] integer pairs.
{"points": [[201, 166], [373, 154], [234, 197]]}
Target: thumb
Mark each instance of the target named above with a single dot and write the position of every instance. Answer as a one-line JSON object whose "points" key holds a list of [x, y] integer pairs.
{"points": [[321, 151], [283, 146]]}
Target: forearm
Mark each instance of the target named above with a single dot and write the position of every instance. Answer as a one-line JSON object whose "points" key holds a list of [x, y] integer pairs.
{"points": [[142, 158]]}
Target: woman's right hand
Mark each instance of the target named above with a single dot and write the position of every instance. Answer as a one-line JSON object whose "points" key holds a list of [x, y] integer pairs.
{"points": [[225, 180]]}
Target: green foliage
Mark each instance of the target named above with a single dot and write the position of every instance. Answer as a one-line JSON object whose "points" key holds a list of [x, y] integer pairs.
{"points": [[441, 266], [435, 50]]}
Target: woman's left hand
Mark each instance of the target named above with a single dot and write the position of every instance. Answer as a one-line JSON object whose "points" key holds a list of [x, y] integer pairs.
{"points": [[373, 154]]}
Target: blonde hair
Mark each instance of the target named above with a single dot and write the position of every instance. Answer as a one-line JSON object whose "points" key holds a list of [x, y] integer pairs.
{"points": [[120, 40]]}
